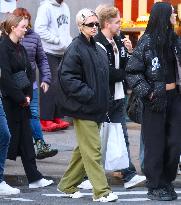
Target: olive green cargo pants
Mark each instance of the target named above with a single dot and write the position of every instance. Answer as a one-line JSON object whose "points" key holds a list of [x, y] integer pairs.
{"points": [[86, 160]]}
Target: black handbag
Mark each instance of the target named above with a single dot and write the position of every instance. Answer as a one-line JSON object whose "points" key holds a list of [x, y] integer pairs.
{"points": [[20, 78], [135, 108]]}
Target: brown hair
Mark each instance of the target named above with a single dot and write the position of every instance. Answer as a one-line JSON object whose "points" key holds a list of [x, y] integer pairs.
{"points": [[106, 13], [24, 13], [11, 20]]}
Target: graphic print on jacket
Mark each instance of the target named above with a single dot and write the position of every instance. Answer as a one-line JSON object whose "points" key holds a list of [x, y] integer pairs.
{"points": [[62, 19]]}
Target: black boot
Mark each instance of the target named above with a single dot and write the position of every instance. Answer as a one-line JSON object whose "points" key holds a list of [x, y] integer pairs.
{"points": [[172, 191], [44, 150], [160, 194]]}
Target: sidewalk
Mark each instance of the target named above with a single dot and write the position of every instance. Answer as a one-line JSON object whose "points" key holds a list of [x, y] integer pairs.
{"points": [[64, 141]]}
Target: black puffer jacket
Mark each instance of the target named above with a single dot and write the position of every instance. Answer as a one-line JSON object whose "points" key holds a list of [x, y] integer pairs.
{"points": [[84, 81], [145, 73]]}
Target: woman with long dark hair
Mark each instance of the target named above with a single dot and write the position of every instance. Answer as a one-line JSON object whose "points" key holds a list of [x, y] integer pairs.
{"points": [[153, 74]]}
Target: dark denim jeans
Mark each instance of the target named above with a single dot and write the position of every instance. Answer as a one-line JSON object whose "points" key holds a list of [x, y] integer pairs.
{"points": [[130, 172], [4, 140], [117, 113], [141, 154], [35, 120]]}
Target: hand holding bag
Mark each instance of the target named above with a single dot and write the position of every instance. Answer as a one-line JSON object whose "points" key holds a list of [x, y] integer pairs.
{"points": [[114, 150]]}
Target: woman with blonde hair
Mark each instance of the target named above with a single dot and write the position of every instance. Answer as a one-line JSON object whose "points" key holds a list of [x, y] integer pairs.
{"points": [[16, 88], [83, 77]]}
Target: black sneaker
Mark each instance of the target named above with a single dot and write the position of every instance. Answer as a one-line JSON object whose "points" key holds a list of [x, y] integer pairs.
{"points": [[172, 191], [44, 150], [160, 194]]}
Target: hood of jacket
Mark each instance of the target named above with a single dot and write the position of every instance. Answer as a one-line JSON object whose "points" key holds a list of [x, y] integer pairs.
{"points": [[54, 2]]}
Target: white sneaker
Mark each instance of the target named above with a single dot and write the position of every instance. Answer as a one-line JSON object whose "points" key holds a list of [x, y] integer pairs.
{"points": [[40, 183], [5, 189], [178, 170], [137, 179], [110, 198], [85, 185], [75, 195]]}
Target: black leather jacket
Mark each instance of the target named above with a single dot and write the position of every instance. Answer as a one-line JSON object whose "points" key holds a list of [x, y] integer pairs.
{"points": [[145, 73]]}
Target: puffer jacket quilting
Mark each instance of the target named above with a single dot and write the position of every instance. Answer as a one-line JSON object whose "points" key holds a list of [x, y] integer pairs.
{"points": [[145, 73], [36, 55], [84, 81]]}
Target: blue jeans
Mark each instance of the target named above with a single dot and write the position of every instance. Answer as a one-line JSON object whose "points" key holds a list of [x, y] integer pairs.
{"points": [[4, 140], [35, 119], [141, 154], [129, 172]]}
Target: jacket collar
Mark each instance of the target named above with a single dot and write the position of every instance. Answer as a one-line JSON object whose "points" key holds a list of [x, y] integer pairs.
{"points": [[55, 3], [29, 31], [9, 42], [103, 40], [84, 39]]}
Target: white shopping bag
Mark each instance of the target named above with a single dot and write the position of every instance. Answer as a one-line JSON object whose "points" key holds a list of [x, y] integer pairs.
{"points": [[114, 150]]}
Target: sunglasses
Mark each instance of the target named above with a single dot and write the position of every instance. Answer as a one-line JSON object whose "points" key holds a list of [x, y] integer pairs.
{"points": [[92, 24]]}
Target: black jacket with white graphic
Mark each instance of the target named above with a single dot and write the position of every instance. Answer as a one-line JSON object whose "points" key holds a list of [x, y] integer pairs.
{"points": [[145, 73]]}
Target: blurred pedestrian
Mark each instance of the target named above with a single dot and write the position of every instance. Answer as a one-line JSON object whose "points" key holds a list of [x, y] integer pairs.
{"points": [[53, 25], [5, 136]]}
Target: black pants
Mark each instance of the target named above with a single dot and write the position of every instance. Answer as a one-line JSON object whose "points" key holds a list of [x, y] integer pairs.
{"points": [[162, 139], [30, 168], [28, 160], [49, 108], [21, 141]]}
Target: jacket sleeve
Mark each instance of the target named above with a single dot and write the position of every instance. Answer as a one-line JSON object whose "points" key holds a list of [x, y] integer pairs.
{"points": [[41, 25], [42, 63], [178, 48], [8, 86], [116, 75], [135, 73], [71, 78]]}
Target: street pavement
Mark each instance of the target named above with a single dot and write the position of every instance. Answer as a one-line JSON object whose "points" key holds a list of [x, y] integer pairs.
{"points": [[50, 196], [53, 168], [65, 141]]}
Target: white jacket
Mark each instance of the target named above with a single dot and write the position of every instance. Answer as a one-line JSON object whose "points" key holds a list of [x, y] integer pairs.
{"points": [[53, 25]]}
